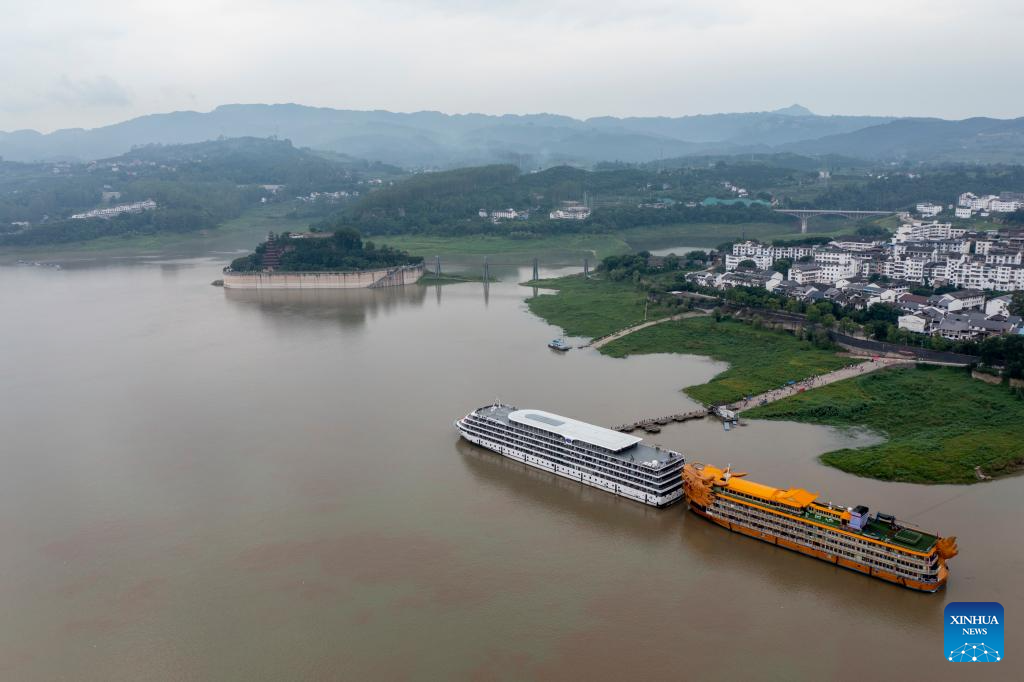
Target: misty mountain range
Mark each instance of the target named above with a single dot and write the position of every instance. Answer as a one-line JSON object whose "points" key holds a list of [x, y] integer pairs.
{"points": [[433, 139]]}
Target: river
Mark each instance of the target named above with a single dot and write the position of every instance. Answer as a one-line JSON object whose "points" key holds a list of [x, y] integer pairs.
{"points": [[210, 484]]}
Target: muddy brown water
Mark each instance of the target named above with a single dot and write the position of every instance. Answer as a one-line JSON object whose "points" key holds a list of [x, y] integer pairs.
{"points": [[208, 484]]}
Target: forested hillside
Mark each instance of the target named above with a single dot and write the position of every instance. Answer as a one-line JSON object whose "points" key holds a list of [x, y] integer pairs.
{"points": [[195, 187]]}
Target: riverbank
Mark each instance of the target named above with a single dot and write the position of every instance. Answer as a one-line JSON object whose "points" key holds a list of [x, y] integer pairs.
{"points": [[232, 236], [928, 439], [759, 359], [252, 226], [597, 246], [592, 307], [939, 424]]}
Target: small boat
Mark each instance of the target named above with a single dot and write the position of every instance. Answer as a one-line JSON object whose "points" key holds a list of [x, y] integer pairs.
{"points": [[559, 345]]}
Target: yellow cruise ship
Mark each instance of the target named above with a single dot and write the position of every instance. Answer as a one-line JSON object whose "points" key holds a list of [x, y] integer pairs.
{"points": [[880, 546]]}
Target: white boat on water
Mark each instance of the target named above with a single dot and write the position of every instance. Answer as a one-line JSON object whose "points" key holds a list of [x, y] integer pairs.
{"points": [[593, 455]]}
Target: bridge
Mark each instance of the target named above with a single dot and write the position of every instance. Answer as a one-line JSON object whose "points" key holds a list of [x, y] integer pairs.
{"points": [[804, 214]]}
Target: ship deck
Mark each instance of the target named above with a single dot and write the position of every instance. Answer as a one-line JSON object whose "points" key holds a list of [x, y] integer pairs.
{"points": [[909, 538], [640, 452]]}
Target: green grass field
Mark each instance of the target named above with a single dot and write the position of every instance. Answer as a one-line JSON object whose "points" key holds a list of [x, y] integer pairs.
{"points": [[249, 229], [759, 359], [697, 235], [567, 246], [591, 307], [939, 423]]}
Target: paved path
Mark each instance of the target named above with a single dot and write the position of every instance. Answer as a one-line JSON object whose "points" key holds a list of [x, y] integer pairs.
{"points": [[816, 382], [604, 340]]}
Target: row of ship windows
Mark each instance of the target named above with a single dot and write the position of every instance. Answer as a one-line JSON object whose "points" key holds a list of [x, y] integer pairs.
{"points": [[561, 458], [863, 546], [583, 477], [833, 549], [561, 449], [588, 453], [625, 478], [913, 561], [836, 546], [573, 445]]}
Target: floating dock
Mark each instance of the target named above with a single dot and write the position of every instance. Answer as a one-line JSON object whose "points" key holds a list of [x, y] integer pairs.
{"points": [[654, 424]]}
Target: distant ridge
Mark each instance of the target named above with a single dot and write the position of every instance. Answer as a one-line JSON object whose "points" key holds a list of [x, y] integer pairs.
{"points": [[430, 139], [794, 110]]}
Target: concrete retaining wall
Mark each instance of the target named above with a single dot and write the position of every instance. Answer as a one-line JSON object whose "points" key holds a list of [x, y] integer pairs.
{"points": [[362, 279]]}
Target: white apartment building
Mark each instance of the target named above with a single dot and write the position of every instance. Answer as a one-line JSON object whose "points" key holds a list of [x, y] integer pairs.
{"points": [[805, 273], [999, 206], [763, 261], [908, 269], [570, 211], [999, 305], [974, 273], [854, 244], [981, 204], [963, 212], [928, 209], [917, 231], [113, 211], [764, 255], [966, 199], [1003, 257], [752, 248]]}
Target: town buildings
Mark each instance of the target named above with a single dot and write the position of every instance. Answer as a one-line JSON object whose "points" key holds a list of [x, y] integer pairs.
{"points": [[114, 211], [570, 210], [861, 272]]}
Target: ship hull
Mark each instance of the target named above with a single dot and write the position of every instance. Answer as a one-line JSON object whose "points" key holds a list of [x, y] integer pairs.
{"points": [[822, 556], [571, 473]]}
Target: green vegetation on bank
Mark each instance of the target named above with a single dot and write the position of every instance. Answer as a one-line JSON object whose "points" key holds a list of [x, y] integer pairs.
{"points": [[600, 245], [343, 250], [759, 359], [559, 246], [591, 307], [939, 423], [195, 186], [235, 235], [430, 279]]}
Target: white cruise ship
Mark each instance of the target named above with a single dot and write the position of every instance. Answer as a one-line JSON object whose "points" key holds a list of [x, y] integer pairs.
{"points": [[616, 462]]}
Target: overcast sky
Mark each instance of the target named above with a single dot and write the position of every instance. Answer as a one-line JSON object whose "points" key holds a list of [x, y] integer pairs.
{"points": [[69, 63]]}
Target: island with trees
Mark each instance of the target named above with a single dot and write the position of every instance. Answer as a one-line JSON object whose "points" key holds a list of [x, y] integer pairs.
{"points": [[322, 260]]}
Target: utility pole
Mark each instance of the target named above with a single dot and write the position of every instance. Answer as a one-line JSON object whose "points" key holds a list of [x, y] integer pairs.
{"points": [[536, 270]]}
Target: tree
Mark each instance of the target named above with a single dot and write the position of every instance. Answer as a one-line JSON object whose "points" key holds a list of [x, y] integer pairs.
{"points": [[847, 326], [782, 265], [1017, 303], [747, 263]]}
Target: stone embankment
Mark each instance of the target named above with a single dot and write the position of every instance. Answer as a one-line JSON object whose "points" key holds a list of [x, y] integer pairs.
{"points": [[359, 279]]}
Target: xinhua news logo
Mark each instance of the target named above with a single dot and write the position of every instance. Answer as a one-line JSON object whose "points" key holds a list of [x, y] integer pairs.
{"points": [[974, 632]]}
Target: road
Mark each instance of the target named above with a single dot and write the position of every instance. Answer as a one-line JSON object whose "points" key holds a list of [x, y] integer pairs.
{"points": [[605, 340], [816, 382]]}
